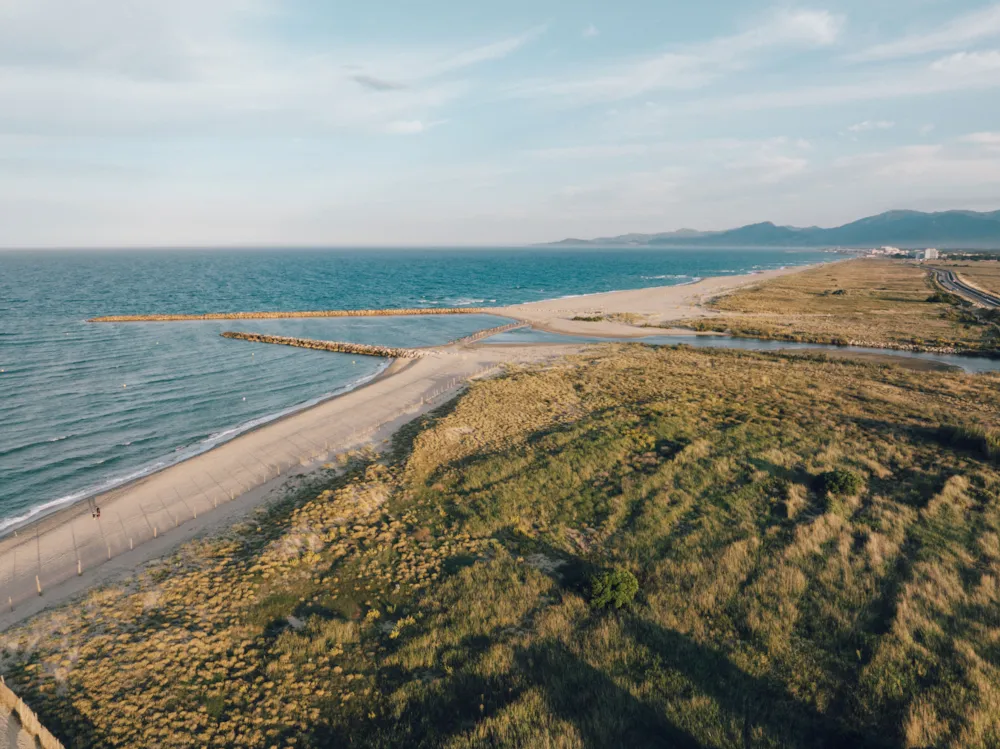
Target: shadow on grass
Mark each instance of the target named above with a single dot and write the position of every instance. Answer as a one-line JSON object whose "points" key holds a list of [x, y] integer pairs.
{"points": [[71, 726], [761, 702], [604, 713]]}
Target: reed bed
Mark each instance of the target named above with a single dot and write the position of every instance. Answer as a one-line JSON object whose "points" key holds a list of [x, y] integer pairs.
{"points": [[438, 595]]}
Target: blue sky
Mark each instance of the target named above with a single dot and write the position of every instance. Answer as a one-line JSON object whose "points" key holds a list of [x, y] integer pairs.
{"points": [[227, 122]]}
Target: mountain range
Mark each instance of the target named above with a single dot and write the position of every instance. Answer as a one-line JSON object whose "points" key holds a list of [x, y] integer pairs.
{"points": [[946, 229]]}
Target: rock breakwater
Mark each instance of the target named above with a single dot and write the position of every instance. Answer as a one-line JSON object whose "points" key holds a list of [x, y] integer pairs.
{"points": [[480, 335], [284, 315], [363, 349]]}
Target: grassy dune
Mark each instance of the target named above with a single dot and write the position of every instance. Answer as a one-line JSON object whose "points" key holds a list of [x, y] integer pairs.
{"points": [[440, 596], [880, 303]]}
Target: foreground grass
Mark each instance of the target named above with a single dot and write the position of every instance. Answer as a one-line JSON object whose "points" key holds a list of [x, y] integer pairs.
{"points": [[439, 597], [878, 303]]}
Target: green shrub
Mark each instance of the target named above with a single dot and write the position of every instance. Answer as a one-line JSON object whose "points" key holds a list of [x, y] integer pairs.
{"points": [[840, 482], [615, 587]]}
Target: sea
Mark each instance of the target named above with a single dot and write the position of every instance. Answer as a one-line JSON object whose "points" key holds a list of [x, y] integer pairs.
{"points": [[85, 407]]}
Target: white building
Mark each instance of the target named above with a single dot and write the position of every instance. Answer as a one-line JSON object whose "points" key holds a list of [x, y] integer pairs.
{"points": [[928, 254]]}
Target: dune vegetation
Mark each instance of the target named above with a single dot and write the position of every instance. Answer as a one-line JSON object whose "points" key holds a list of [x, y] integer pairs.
{"points": [[629, 547], [876, 303]]}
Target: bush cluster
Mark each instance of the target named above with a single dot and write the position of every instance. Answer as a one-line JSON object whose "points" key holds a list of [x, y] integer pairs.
{"points": [[840, 482], [615, 587]]}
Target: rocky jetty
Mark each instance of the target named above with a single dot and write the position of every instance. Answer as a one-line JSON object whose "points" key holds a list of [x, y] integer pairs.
{"points": [[487, 333], [362, 349], [282, 315]]}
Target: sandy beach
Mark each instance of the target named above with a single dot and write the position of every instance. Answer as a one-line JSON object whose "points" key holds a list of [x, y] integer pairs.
{"points": [[658, 306], [64, 554]]}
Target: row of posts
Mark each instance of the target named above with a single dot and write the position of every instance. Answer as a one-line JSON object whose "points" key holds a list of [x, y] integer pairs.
{"points": [[260, 474]]}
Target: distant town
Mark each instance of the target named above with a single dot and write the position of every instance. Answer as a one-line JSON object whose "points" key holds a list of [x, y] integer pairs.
{"points": [[931, 253]]}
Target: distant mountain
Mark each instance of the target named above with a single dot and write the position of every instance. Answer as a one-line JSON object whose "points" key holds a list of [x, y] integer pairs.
{"points": [[947, 229]]}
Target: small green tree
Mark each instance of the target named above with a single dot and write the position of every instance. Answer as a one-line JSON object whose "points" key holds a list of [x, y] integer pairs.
{"points": [[615, 587], [840, 482]]}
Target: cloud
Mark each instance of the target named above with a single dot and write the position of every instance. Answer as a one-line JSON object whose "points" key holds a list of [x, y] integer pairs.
{"points": [[981, 139], [484, 53], [376, 84], [692, 66], [867, 125], [914, 82], [710, 149], [83, 67], [410, 127], [926, 129], [968, 63], [959, 32], [946, 167], [590, 32]]}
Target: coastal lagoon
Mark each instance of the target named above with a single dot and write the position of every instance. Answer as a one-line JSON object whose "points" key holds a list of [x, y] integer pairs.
{"points": [[85, 407]]}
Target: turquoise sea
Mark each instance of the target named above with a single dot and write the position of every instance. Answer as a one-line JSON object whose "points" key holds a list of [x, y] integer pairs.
{"points": [[84, 407]]}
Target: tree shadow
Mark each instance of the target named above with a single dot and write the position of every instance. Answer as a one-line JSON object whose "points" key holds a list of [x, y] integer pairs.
{"points": [[604, 713], [70, 725], [796, 475], [762, 702]]}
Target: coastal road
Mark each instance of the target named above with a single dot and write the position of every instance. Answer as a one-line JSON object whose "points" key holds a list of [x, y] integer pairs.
{"points": [[954, 284]]}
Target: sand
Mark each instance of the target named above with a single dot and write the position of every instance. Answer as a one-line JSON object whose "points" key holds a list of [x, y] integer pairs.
{"points": [[658, 306], [70, 551]]}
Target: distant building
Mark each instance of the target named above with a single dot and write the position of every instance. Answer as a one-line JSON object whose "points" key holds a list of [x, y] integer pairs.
{"points": [[928, 254]]}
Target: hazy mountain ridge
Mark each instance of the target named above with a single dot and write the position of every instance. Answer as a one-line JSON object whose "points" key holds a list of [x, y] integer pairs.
{"points": [[955, 229]]}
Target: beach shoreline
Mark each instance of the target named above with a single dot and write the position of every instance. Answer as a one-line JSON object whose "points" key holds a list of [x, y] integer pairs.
{"points": [[654, 306], [87, 498], [66, 552]]}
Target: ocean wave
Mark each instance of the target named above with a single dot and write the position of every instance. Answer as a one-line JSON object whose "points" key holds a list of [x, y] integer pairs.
{"points": [[179, 455], [667, 275], [466, 301]]}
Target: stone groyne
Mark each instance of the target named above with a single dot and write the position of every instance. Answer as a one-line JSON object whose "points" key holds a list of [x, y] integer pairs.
{"points": [[488, 332], [282, 315], [19, 726], [362, 349]]}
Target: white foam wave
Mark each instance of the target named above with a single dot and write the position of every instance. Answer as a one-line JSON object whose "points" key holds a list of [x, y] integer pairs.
{"points": [[466, 301], [178, 456]]}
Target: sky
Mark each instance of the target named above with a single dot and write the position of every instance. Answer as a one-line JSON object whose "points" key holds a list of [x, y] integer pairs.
{"points": [[257, 122]]}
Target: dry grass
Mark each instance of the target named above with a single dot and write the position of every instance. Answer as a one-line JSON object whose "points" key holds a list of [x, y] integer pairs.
{"points": [[875, 303], [440, 599]]}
